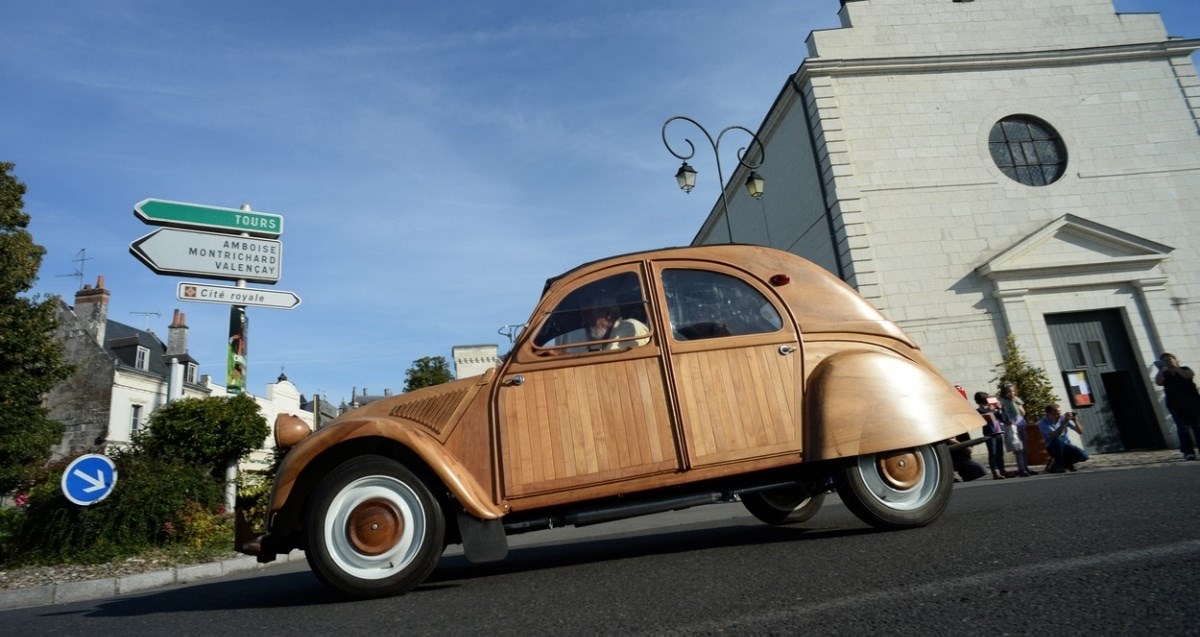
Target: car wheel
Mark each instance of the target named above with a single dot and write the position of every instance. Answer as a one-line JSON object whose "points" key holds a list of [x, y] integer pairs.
{"points": [[373, 528], [783, 506], [898, 489]]}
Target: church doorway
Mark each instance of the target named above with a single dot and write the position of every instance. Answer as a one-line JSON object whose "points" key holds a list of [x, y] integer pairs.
{"points": [[1105, 384]]}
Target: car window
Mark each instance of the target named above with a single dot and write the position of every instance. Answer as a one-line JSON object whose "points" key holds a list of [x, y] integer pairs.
{"points": [[608, 314], [703, 304]]}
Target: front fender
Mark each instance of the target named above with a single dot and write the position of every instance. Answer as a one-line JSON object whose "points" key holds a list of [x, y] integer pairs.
{"points": [[465, 488], [863, 402]]}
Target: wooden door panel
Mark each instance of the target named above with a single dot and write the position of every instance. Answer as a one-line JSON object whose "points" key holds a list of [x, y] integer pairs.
{"points": [[737, 403], [582, 425]]}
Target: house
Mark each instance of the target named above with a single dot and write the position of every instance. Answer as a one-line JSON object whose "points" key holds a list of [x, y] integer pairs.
{"points": [[473, 360], [123, 375]]}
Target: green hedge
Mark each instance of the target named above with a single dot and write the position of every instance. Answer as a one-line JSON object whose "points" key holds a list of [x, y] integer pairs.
{"points": [[157, 502]]}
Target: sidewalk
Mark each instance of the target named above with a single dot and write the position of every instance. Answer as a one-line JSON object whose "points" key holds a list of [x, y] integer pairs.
{"points": [[1120, 460], [67, 592]]}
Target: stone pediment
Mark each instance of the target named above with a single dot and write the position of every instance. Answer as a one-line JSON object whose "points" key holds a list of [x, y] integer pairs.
{"points": [[1072, 246]]}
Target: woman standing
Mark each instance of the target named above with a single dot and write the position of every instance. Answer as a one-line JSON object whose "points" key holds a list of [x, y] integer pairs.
{"points": [[1015, 428], [993, 428]]}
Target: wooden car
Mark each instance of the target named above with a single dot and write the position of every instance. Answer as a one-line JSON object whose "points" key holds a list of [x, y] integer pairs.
{"points": [[643, 383]]}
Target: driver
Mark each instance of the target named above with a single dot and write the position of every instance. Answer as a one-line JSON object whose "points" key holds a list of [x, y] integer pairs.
{"points": [[603, 322]]}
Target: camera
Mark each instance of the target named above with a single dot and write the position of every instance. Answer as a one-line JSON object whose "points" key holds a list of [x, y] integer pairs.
{"points": [[1070, 415], [1159, 364]]}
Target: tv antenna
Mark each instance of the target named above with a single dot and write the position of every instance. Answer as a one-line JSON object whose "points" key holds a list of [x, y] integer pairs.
{"points": [[147, 315], [81, 258]]}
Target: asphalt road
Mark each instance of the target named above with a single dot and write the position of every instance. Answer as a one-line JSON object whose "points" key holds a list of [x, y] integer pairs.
{"points": [[1113, 552]]}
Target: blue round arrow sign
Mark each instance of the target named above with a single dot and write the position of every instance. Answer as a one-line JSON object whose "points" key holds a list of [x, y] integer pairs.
{"points": [[89, 479]]}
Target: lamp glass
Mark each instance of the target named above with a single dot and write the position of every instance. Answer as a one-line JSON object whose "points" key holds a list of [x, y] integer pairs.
{"points": [[755, 184], [686, 177]]}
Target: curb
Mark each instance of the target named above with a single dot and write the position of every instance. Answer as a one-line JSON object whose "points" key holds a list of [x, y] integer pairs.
{"points": [[67, 592]]}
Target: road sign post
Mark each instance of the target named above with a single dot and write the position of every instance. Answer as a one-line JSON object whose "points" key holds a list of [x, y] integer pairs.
{"points": [[210, 255], [89, 479], [160, 212], [232, 249], [230, 295]]}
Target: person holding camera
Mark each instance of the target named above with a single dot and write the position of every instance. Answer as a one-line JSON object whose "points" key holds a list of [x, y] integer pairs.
{"points": [[993, 429], [1055, 428], [1183, 401]]}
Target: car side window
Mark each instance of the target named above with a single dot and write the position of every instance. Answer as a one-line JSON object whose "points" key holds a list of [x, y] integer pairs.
{"points": [[703, 304], [605, 315]]}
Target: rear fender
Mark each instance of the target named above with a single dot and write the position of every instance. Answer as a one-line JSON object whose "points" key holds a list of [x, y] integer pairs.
{"points": [[870, 401]]}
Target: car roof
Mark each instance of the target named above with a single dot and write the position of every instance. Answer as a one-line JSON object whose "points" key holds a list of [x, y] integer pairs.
{"points": [[818, 300]]}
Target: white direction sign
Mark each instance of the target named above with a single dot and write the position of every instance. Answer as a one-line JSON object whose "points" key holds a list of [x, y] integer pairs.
{"points": [[230, 295], [210, 255]]}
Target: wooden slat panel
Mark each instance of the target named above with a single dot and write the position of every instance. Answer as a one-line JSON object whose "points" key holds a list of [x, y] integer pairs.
{"points": [[738, 403], [575, 426]]}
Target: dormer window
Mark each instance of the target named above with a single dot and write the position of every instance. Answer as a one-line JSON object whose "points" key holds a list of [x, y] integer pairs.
{"points": [[189, 374], [143, 358]]}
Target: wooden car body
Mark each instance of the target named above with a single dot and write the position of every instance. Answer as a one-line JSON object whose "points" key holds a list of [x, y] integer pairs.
{"points": [[749, 367]]}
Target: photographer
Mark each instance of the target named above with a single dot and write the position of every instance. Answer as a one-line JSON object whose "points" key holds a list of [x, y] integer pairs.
{"points": [[1055, 428], [1183, 401], [993, 429]]}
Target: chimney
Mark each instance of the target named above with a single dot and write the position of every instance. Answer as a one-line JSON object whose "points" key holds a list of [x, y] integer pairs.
{"points": [[177, 335], [91, 306]]}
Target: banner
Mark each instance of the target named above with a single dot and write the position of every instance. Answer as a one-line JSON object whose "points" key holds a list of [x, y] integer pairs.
{"points": [[235, 371]]}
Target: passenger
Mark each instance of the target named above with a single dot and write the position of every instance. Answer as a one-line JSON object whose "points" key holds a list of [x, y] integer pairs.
{"points": [[993, 428], [1054, 427]]}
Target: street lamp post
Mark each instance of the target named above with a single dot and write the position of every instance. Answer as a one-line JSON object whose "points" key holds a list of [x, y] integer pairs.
{"points": [[686, 176]]}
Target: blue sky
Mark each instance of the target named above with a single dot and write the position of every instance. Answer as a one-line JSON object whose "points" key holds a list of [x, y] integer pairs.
{"points": [[434, 162]]}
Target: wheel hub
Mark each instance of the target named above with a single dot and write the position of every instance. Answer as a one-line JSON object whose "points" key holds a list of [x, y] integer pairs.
{"points": [[374, 526], [900, 470]]}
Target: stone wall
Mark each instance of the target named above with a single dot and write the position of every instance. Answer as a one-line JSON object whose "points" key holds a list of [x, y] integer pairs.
{"points": [[83, 401]]}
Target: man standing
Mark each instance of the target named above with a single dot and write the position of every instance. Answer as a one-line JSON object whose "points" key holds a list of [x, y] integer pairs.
{"points": [[1183, 401], [1054, 427]]}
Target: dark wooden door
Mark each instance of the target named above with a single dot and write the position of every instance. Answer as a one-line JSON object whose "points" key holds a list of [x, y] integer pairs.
{"points": [[1104, 380]]}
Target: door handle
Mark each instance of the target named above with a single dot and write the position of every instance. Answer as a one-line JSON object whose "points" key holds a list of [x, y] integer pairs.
{"points": [[786, 349]]}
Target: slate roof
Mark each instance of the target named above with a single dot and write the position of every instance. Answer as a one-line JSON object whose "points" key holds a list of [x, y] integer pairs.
{"points": [[122, 342]]}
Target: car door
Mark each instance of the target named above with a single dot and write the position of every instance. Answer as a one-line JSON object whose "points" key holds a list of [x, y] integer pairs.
{"points": [[736, 362], [576, 410]]}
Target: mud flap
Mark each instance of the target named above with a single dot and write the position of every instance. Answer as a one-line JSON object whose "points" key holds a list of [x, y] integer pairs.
{"points": [[483, 540]]}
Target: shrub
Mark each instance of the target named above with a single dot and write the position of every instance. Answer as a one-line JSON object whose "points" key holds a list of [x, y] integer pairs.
{"points": [[212, 431], [253, 497], [156, 502], [1033, 386]]}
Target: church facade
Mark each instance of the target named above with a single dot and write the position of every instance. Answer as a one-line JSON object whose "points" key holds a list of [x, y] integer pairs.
{"points": [[981, 169]]}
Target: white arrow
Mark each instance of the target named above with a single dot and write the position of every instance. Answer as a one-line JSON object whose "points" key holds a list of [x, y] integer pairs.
{"points": [[97, 482]]}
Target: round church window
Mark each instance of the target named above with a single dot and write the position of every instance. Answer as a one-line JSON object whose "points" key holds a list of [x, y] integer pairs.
{"points": [[1028, 150]]}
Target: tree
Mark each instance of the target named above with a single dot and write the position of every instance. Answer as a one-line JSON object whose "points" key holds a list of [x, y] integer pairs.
{"points": [[212, 432], [1033, 386], [31, 356], [426, 372]]}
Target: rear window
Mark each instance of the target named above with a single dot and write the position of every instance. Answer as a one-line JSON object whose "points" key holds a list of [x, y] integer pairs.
{"points": [[704, 304]]}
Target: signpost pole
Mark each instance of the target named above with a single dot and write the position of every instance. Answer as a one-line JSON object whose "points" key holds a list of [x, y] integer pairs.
{"points": [[198, 240], [239, 328]]}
